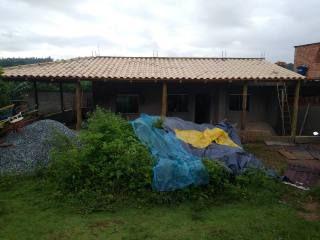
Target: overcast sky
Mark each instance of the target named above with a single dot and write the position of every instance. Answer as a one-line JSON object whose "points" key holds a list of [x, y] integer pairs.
{"points": [[241, 28]]}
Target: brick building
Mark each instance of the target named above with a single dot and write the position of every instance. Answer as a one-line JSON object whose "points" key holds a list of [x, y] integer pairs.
{"points": [[309, 55]]}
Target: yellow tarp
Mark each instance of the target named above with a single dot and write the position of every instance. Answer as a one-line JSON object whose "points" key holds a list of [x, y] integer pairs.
{"points": [[203, 139]]}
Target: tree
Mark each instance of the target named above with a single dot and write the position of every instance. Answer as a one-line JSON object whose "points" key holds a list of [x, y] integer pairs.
{"points": [[11, 92]]}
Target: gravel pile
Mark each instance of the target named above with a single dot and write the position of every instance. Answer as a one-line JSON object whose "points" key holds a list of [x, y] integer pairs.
{"points": [[31, 146]]}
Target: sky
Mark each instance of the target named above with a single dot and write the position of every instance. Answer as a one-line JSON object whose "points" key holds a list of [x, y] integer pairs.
{"points": [[166, 28]]}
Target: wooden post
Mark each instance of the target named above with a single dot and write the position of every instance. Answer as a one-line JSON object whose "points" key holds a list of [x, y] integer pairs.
{"points": [[164, 99], [61, 97], [78, 105], [295, 109], [36, 100], [244, 105]]}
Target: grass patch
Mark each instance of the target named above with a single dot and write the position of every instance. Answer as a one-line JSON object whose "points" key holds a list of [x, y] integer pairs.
{"points": [[269, 156], [31, 213]]}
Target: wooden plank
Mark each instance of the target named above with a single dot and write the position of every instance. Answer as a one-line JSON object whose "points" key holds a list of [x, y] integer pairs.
{"points": [[78, 105], [295, 153], [295, 109], [164, 99], [278, 143], [244, 106], [61, 97], [287, 154], [304, 119], [307, 139]]}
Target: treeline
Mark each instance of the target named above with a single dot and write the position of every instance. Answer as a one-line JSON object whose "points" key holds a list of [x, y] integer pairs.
{"points": [[9, 62]]}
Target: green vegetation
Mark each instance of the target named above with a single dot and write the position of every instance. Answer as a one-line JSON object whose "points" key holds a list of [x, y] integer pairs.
{"points": [[271, 158], [98, 186], [12, 92], [158, 123], [43, 86], [28, 211], [10, 62], [106, 163]]}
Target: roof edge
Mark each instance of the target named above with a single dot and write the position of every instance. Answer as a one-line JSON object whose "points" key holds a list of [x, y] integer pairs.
{"points": [[308, 44]]}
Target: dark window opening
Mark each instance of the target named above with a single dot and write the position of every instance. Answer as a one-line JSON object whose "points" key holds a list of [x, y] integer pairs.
{"points": [[177, 103], [235, 102], [127, 104]]}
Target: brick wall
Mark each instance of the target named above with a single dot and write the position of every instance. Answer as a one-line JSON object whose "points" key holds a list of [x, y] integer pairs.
{"points": [[308, 55]]}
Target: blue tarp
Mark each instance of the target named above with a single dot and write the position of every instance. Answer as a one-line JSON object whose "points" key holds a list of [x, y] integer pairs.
{"points": [[178, 164]]}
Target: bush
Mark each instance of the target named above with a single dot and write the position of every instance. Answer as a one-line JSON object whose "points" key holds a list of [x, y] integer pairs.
{"points": [[255, 186], [219, 176], [107, 164], [104, 162], [158, 123]]}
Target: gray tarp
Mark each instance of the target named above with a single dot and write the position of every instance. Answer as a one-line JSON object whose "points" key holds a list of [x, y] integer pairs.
{"points": [[236, 159]]}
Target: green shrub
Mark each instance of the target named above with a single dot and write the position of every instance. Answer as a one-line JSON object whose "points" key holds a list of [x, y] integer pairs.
{"points": [[219, 176], [158, 123], [104, 162], [254, 185], [107, 165]]}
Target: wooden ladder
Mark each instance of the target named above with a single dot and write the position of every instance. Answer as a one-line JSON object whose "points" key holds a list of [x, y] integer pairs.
{"points": [[284, 108]]}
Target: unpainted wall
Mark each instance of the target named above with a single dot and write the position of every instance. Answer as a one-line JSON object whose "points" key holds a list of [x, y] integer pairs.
{"points": [[49, 101], [308, 55], [263, 105]]}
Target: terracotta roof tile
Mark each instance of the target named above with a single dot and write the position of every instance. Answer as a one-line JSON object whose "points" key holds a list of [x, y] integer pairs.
{"points": [[155, 68]]}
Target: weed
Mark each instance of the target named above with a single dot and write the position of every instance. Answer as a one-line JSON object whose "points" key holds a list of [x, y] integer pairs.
{"points": [[158, 123], [106, 161]]}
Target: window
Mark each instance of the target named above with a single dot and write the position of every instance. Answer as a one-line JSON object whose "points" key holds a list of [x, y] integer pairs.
{"points": [[177, 103], [127, 104], [235, 102]]}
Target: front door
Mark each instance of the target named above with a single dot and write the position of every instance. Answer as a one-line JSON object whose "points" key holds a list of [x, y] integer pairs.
{"points": [[202, 108]]}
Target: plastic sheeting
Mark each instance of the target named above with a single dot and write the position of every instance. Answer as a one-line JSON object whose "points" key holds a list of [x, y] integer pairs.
{"points": [[175, 167], [236, 159], [203, 139], [178, 164]]}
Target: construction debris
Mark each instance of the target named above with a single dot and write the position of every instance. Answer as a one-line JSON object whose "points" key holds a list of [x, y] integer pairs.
{"points": [[295, 153], [303, 165], [30, 146]]}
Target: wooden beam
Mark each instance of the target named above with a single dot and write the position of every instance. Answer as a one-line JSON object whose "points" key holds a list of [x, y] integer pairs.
{"points": [[61, 97], [36, 99], [164, 99], [78, 105], [244, 105], [295, 109]]}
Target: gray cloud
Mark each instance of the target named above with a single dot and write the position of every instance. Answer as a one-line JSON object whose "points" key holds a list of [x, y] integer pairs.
{"points": [[244, 28], [19, 41]]}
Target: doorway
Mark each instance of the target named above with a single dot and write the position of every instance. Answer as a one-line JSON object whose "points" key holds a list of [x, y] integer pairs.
{"points": [[202, 108]]}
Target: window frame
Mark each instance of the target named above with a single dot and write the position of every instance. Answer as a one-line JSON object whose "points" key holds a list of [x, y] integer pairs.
{"points": [[178, 94], [241, 97], [128, 95]]}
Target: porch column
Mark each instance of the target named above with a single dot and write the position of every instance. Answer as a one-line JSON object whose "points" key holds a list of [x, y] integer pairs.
{"points": [[164, 99], [78, 105], [295, 109], [244, 105], [36, 100], [61, 97]]}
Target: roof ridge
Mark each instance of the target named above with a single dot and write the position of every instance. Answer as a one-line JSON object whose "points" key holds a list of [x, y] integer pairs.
{"points": [[114, 67], [134, 57], [175, 57]]}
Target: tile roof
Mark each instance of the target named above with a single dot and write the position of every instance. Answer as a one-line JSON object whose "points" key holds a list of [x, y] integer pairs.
{"points": [[162, 68]]}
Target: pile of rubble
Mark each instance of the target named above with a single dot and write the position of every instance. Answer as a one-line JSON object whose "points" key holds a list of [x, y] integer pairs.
{"points": [[30, 146]]}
